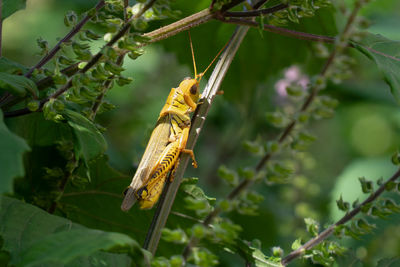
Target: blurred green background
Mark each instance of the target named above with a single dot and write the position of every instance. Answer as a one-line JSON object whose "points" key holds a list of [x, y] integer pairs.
{"points": [[357, 141]]}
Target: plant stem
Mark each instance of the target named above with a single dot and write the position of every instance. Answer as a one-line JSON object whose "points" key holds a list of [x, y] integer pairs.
{"points": [[181, 25], [66, 38], [327, 232], [106, 86], [63, 184], [255, 13], [126, 5], [280, 30]]}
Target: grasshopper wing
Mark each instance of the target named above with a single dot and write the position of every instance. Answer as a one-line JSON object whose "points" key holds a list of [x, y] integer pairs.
{"points": [[156, 145]]}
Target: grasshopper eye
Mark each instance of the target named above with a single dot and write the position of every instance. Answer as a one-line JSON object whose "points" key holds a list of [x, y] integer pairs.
{"points": [[193, 89]]}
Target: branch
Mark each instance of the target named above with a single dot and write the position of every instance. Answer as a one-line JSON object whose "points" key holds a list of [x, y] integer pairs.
{"points": [[230, 5], [255, 13], [280, 30], [181, 25], [67, 37], [326, 233]]}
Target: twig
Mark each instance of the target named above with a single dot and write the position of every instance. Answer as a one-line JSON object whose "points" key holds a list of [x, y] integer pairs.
{"points": [[67, 37], [280, 30], [106, 86], [233, 3], [259, 4], [327, 232], [255, 13], [63, 184], [126, 5], [181, 25]]}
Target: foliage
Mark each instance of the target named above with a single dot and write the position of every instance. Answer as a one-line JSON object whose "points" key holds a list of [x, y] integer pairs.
{"points": [[71, 126]]}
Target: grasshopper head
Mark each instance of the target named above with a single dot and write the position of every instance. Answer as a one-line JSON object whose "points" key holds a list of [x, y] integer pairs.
{"points": [[190, 87]]}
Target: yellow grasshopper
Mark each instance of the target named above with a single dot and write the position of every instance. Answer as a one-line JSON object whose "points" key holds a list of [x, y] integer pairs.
{"points": [[167, 142]]}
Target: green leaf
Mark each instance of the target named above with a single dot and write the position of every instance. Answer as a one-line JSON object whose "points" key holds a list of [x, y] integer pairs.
{"points": [[386, 54], [177, 236], [34, 237], [11, 6], [17, 84], [254, 255], [91, 142], [226, 231], [296, 244], [312, 226], [12, 148], [63, 247], [40, 132], [342, 205], [348, 185], [366, 186], [196, 200], [228, 175], [11, 67], [364, 225], [190, 188], [98, 205]]}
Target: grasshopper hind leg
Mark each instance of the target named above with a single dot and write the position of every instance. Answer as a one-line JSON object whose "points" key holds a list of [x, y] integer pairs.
{"points": [[149, 194]]}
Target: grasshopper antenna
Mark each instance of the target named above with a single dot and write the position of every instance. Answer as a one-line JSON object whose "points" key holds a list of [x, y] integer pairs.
{"points": [[200, 75], [216, 56], [194, 61]]}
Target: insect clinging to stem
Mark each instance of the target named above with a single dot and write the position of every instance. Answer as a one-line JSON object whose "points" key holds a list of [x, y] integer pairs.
{"points": [[167, 142]]}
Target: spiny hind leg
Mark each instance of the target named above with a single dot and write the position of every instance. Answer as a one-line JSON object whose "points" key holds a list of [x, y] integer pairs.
{"points": [[182, 145], [165, 162], [150, 193], [173, 171]]}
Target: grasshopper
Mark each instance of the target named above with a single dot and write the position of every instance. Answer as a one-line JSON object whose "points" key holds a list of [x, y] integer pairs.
{"points": [[167, 142]]}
